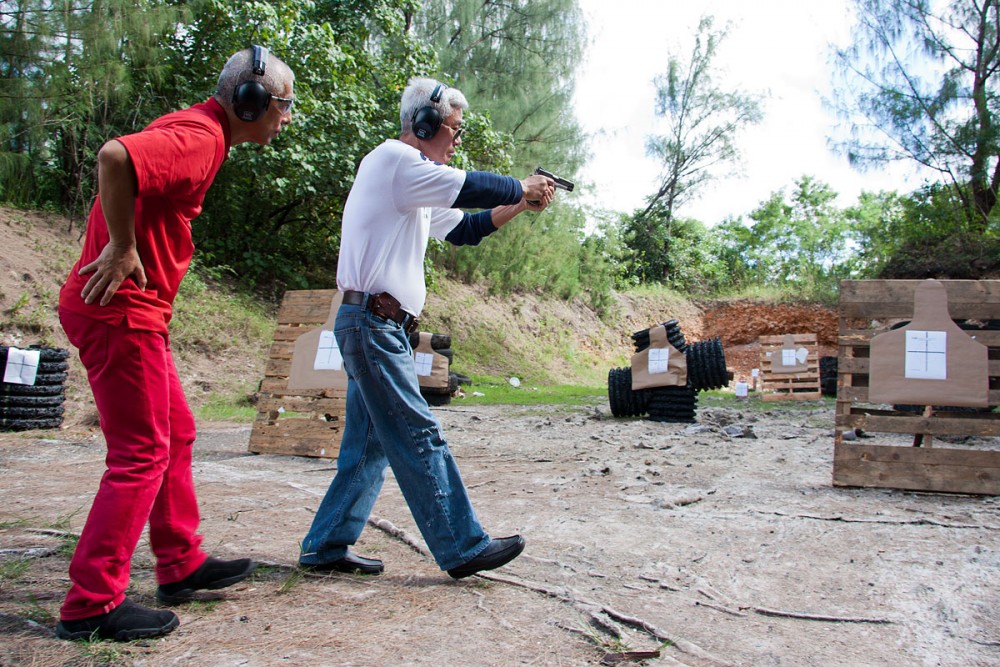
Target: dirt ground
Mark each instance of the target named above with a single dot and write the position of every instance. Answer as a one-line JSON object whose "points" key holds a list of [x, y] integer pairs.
{"points": [[642, 536]]}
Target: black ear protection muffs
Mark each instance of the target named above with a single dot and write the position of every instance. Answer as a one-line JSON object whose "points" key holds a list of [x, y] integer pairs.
{"points": [[251, 99], [426, 120]]}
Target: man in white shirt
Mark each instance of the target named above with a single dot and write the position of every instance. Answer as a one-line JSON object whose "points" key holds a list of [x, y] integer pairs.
{"points": [[405, 193]]}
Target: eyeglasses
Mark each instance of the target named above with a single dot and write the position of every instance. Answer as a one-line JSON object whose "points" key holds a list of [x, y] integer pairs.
{"points": [[456, 132], [283, 104]]}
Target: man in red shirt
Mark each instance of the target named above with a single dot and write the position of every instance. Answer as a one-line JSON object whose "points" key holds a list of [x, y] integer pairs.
{"points": [[115, 307]]}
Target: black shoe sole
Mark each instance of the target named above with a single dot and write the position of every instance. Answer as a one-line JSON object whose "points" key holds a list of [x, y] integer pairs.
{"points": [[185, 594], [345, 569], [501, 559], [121, 635]]}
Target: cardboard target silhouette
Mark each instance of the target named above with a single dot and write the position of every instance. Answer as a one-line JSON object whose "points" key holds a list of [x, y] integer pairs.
{"points": [[790, 359], [931, 360], [316, 360], [432, 367], [659, 365]]}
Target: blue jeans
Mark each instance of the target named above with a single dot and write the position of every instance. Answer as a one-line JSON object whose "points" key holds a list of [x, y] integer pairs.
{"points": [[388, 423]]}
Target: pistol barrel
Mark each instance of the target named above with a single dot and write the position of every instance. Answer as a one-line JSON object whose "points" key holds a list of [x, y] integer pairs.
{"points": [[561, 183]]}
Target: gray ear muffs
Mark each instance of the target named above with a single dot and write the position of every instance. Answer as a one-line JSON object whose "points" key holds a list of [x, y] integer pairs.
{"points": [[426, 120], [251, 99]]}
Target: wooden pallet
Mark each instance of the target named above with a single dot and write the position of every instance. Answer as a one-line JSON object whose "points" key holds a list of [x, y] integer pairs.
{"points": [[870, 307], [304, 422], [800, 386]]}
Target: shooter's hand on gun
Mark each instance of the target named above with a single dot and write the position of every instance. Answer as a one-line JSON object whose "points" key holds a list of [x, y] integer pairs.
{"points": [[554, 182]]}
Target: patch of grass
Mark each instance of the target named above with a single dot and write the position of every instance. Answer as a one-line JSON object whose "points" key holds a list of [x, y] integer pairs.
{"points": [[102, 653], [202, 606], [211, 317], [291, 581], [717, 398], [227, 408], [12, 570], [37, 613], [499, 391]]}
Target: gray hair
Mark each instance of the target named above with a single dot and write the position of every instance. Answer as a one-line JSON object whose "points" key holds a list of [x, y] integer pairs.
{"points": [[239, 68], [418, 94]]}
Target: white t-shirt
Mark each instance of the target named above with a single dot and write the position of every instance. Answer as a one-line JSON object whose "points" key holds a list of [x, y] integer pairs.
{"points": [[399, 200]]}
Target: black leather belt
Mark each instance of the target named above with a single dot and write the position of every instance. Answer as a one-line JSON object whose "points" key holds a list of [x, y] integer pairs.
{"points": [[383, 305]]}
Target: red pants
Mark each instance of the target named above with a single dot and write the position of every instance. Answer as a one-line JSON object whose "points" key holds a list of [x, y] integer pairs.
{"points": [[149, 430]]}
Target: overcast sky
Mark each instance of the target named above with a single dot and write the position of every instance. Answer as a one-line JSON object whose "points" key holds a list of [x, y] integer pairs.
{"points": [[776, 47]]}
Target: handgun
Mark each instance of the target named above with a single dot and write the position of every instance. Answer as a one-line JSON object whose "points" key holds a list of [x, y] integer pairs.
{"points": [[561, 183]]}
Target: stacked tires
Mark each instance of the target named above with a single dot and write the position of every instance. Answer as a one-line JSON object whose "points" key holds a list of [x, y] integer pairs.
{"points": [[706, 363], [440, 343], [25, 407], [828, 376]]}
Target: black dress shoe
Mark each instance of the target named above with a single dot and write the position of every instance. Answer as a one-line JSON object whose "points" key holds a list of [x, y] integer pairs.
{"points": [[349, 563], [498, 552], [124, 623], [211, 575]]}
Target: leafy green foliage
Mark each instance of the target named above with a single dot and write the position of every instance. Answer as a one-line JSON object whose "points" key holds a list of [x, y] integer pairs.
{"points": [[919, 83], [702, 123], [516, 62], [72, 79]]}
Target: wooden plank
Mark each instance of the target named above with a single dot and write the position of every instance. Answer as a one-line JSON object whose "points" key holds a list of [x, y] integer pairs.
{"points": [[854, 393], [278, 386], [917, 468], [306, 306], [780, 340], [297, 403], [792, 396], [265, 444], [878, 299], [863, 337], [949, 424]]}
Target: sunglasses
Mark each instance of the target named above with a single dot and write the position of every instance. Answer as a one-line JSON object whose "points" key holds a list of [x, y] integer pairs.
{"points": [[456, 132], [283, 104]]}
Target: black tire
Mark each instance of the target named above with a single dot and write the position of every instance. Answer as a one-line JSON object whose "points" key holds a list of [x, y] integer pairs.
{"points": [[616, 392], [9, 389], [438, 341], [46, 366], [449, 390], [828, 375], [613, 401], [463, 379], [31, 413], [31, 401], [448, 353], [437, 399], [29, 424], [50, 378], [46, 353]]}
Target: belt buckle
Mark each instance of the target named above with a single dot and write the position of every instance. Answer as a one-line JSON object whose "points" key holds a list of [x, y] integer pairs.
{"points": [[412, 325]]}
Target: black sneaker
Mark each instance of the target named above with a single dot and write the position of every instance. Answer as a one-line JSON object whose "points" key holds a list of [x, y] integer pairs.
{"points": [[126, 622], [212, 575]]}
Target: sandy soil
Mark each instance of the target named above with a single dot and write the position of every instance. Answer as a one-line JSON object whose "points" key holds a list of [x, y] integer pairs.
{"points": [[678, 538]]}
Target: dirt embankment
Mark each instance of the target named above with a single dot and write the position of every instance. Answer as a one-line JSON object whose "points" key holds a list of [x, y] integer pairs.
{"points": [[553, 341]]}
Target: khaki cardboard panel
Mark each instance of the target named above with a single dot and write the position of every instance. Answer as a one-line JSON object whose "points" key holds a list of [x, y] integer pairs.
{"points": [[791, 358], [304, 373], [437, 375], [673, 374], [947, 368]]}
